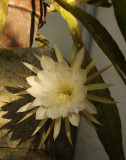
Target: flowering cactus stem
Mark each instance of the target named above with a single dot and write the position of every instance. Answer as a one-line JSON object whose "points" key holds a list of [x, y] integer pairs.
{"points": [[72, 24]]}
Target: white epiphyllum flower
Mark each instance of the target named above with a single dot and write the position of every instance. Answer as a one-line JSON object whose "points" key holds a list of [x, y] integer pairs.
{"points": [[61, 92]]}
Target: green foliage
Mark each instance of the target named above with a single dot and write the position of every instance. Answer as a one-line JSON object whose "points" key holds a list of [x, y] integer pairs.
{"points": [[120, 13], [103, 3]]}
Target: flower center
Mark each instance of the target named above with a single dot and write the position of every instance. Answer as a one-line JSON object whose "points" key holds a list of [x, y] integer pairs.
{"points": [[64, 95]]}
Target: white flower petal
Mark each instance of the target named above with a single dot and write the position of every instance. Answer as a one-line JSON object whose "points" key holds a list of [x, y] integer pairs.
{"points": [[28, 115], [41, 124], [21, 93], [58, 53], [53, 113], [91, 117], [39, 92], [25, 107], [37, 102], [100, 99], [78, 60], [37, 56], [74, 119], [47, 133], [98, 86], [90, 108], [68, 132], [95, 75], [31, 67], [80, 76], [57, 127], [41, 113], [47, 63], [33, 81], [60, 67], [47, 79], [92, 64]]}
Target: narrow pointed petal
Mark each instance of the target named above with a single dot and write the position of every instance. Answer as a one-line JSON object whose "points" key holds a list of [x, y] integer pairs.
{"points": [[68, 132], [47, 63], [34, 82], [41, 124], [48, 132], [100, 99], [91, 117], [92, 64], [37, 102], [41, 113], [90, 108], [97, 86], [88, 121], [73, 55], [74, 119], [37, 56], [24, 108], [57, 127], [21, 93], [95, 75], [23, 75], [28, 115], [78, 60], [20, 86], [31, 67], [58, 53]]}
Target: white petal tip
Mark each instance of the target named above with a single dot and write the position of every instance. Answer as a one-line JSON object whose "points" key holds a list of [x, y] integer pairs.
{"points": [[58, 53], [78, 60], [20, 110], [23, 62]]}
